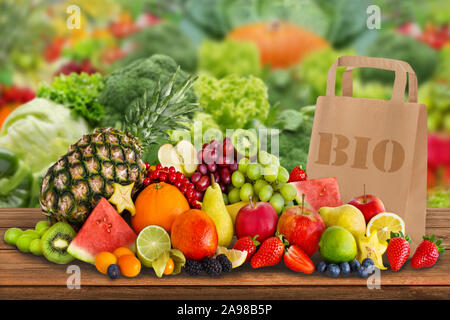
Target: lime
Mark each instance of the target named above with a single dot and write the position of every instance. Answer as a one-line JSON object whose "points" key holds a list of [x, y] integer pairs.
{"points": [[337, 245], [236, 257], [151, 242], [11, 235], [23, 242], [36, 247], [41, 225]]}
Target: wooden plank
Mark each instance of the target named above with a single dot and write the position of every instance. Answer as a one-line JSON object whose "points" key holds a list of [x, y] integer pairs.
{"points": [[25, 269], [334, 292]]}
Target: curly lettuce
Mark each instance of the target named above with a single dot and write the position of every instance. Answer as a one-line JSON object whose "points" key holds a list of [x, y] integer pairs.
{"points": [[233, 100], [79, 93]]}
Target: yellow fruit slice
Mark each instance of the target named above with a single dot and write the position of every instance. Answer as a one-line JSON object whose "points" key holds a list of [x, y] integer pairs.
{"points": [[371, 247], [384, 223], [121, 198], [237, 257], [233, 209]]}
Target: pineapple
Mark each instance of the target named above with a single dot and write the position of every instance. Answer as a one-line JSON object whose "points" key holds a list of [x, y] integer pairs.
{"points": [[74, 184]]}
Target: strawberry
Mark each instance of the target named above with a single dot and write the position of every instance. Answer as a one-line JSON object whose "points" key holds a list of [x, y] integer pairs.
{"points": [[247, 244], [296, 259], [270, 253], [427, 253], [297, 174], [398, 250]]}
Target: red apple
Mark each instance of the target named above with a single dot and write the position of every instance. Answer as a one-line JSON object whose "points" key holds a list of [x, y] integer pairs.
{"points": [[256, 218], [302, 226], [369, 205]]}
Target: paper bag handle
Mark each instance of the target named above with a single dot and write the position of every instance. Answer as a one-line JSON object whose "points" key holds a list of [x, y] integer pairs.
{"points": [[400, 68]]}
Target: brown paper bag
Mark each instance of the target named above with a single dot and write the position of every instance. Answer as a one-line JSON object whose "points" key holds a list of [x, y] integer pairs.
{"points": [[381, 144]]}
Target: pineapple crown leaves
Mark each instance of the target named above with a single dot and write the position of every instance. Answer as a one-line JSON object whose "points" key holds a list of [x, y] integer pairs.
{"points": [[150, 117], [431, 238]]}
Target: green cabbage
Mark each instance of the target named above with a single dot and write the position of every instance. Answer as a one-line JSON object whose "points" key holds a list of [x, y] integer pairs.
{"points": [[40, 131]]}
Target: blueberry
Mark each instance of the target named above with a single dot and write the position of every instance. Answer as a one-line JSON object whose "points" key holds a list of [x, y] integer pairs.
{"points": [[321, 267], [355, 265], [362, 273], [333, 270], [113, 271], [367, 262], [345, 268]]}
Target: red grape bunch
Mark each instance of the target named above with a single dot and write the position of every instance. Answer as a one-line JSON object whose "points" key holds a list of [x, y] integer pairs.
{"points": [[215, 159]]}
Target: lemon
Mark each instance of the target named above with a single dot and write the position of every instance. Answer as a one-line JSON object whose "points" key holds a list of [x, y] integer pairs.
{"points": [[151, 242], [384, 223], [237, 257]]}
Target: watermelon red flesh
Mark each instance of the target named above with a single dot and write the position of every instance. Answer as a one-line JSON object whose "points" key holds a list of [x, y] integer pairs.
{"points": [[319, 192], [103, 230]]}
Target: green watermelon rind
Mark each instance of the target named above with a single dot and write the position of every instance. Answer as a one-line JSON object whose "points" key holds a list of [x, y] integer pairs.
{"points": [[80, 254]]}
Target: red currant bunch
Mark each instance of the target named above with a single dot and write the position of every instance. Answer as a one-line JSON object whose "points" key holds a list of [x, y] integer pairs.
{"points": [[171, 176]]}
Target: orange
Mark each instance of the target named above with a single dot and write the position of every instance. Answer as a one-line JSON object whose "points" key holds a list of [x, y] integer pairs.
{"points": [[122, 251], [194, 233], [158, 204], [169, 267], [103, 260], [129, 265]]}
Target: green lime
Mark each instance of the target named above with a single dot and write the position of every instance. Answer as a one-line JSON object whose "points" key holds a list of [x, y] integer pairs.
{"points": [[44, 224], [23, 243], [11, 235], [35, 247], [151, 242], [337, 245], [42, 231], [32, 233]]}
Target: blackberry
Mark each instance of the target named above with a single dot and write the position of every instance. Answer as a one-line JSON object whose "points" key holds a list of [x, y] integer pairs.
{"points": [[193, 267], [224, 262], [212, 267]]}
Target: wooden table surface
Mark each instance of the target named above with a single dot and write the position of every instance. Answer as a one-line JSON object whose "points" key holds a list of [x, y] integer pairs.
{"points": [[25, 276]]}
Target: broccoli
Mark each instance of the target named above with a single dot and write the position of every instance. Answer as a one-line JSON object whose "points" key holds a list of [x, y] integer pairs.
{"points": [[123, 86], [422, 58], [165, 38]]}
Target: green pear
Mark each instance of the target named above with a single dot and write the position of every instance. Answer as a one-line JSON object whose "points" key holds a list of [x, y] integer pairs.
{"points": [[214, 206], [346, 216]]}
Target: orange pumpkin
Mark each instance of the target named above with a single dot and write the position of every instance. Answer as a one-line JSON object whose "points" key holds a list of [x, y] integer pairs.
{"points": [[158, 204], [281, 44]]}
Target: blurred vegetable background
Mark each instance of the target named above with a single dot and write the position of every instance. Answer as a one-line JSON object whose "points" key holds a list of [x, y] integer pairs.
{"points": [[261, 64]]}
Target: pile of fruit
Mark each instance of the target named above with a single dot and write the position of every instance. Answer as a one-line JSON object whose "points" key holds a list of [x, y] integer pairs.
{"points": [[207, 211]]}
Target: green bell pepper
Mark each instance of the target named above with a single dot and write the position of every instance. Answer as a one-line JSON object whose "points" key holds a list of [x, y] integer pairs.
{"points": [[16, 181]]}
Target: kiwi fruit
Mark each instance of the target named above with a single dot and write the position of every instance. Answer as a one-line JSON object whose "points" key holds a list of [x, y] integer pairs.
{"points": [[55, 242], [245, 143]]}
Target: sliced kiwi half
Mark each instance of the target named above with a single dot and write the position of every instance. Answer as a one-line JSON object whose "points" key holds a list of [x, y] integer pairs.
{"points": [[55, 242], [245, 143]]}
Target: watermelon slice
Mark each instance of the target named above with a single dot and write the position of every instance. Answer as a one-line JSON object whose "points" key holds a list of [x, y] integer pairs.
{"points": [[103, 230], [319, 192]]}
